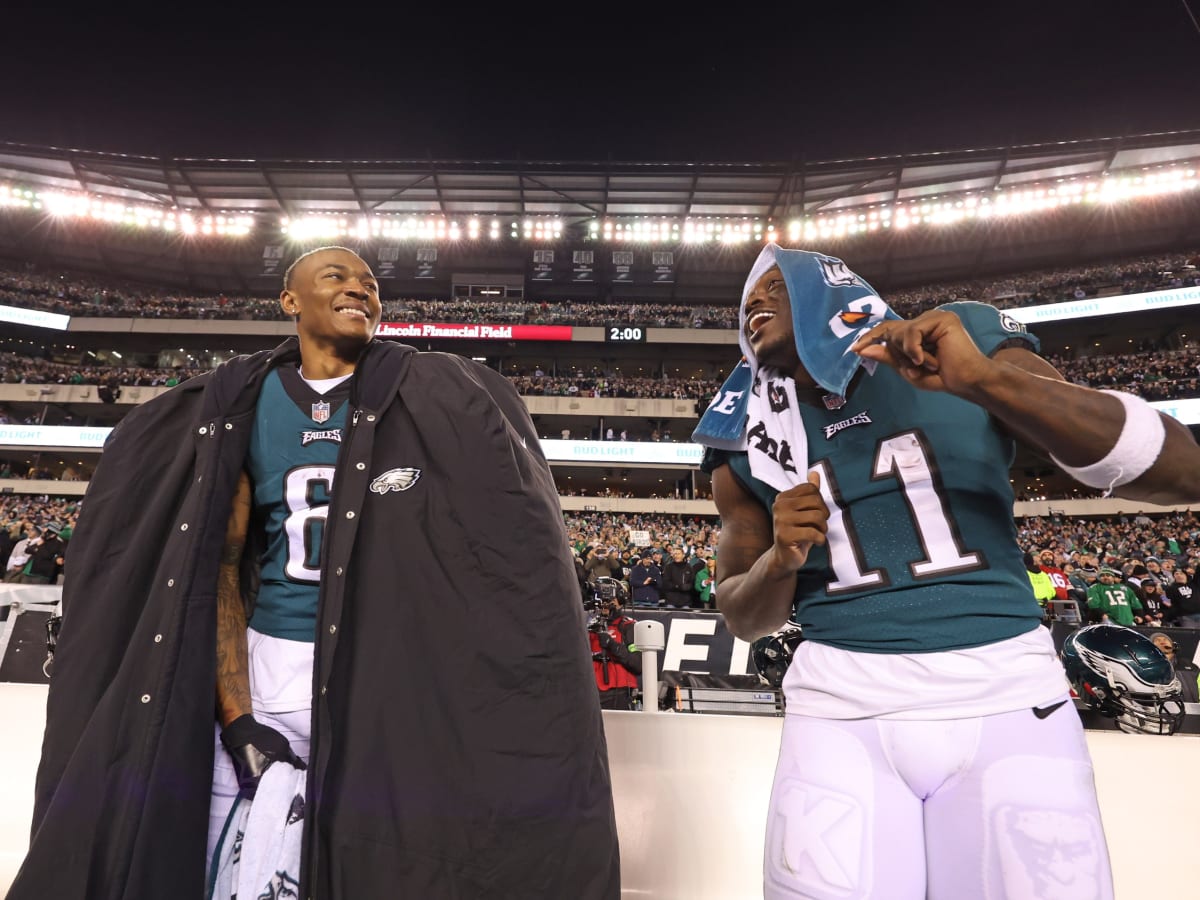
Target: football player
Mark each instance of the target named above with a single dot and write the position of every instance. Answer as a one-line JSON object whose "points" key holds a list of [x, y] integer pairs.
{"points": [[926, 709]]}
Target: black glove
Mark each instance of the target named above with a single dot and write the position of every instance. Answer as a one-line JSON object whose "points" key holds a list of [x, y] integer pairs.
{"points": [[607, 640], [254, 747]]}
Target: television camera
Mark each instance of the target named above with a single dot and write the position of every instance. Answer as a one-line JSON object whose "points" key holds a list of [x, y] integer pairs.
{"points": [[599, 607]]}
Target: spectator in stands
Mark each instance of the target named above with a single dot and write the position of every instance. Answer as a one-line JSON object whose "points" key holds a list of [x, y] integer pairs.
{"points": [[1154, 566], [696, 565], [46, 557], [1077, 590], [580, 575], [677, 581], [1113, 601], [1043, 587], [1153, 608], [602, 562], [1048, 563], [1184, 600], [706, 583], [1188, 672], [20, 553], [9, 535], [645, 580]]}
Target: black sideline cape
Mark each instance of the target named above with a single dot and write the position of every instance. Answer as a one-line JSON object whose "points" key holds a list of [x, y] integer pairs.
{"points": [[457, 747]]}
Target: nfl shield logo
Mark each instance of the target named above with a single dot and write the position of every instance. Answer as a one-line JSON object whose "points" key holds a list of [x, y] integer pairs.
{"points": [[320, 412]]}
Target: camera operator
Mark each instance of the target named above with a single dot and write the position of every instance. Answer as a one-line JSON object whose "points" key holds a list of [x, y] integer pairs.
{"points": [[616, 661]]}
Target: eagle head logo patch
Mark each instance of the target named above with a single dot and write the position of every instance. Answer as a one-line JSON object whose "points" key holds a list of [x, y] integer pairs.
{"points": [[395, 480]]}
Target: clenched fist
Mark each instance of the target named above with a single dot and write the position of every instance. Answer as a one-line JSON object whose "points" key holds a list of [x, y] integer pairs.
{"points": [[801, 519], [933, 352]]}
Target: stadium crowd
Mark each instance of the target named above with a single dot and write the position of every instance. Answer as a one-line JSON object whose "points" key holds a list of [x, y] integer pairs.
{"points": [[1131, 569], [1152, 374], [34, 532], [83, 295], [1155, 556], [18, 369]]}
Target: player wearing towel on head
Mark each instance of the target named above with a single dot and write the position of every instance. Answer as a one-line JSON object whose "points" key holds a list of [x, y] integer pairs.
{"points": [[860, 467]]}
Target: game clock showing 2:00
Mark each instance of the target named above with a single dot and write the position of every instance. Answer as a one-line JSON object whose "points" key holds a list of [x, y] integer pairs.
{"points": [[624, 334]]}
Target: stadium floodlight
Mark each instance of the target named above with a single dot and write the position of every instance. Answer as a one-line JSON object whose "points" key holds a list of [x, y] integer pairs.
{"points": [[78, 205], [428, 228], [945, 210]]}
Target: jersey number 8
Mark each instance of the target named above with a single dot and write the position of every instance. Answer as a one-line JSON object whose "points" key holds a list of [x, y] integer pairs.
{"points": [[306, 492]]}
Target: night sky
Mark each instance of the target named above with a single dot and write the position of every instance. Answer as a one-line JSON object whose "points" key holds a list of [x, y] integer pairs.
{"points": [[591, 81]]}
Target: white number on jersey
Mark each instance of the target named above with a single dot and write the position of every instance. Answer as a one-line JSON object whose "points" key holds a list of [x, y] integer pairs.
{"points": [[907, 458], [307, 510], [1115, 598]]}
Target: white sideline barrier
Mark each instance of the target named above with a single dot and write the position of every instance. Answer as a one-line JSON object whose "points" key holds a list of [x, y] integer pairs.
{"points": [[691, 795]]}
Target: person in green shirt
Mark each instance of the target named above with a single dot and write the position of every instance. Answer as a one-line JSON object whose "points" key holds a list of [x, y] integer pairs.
{"points": [[706, 582], [1113, 600]]}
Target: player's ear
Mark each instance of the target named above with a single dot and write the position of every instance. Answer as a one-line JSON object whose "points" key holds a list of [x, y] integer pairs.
{"points": [[288, 301]]}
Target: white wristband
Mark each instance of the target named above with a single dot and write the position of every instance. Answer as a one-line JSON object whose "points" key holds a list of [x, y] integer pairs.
{"points": [[1137, 447]]}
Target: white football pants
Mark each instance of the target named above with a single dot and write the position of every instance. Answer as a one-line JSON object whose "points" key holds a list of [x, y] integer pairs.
{"points": [[996, 807]]}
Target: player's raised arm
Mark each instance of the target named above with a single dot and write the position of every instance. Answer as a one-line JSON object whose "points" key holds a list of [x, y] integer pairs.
{"points": [[759, 554], [1105, 439]]}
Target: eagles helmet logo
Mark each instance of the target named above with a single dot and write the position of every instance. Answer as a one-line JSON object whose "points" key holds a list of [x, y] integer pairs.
{"points": [[395, 480]]}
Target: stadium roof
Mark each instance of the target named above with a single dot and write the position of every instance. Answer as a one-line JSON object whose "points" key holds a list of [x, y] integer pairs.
{"points": [[579, 189], [582, 192]]}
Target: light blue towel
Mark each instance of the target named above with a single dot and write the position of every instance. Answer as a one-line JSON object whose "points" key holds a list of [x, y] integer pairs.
{"points": [[831, 307]]}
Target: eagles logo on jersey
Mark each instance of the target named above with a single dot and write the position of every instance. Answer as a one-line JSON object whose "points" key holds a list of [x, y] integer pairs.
{"points": [[395, 480]]}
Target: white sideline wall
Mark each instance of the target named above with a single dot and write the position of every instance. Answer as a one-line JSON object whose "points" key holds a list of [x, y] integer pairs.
{"points": [[691, 796]]}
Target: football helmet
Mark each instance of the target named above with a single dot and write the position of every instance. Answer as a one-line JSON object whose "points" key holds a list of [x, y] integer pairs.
{"points": [[773, 654], [1121, 674]]}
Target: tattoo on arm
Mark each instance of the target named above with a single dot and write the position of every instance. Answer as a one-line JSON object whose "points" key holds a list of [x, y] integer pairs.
{"points": [[233, 673], [233, 665]]}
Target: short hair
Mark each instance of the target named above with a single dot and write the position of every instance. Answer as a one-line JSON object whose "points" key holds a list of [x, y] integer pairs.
{"points": [[287, 276]]}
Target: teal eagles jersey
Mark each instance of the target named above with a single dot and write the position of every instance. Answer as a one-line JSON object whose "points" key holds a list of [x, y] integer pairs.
{"points": [[922, 550], [293, 453]]}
